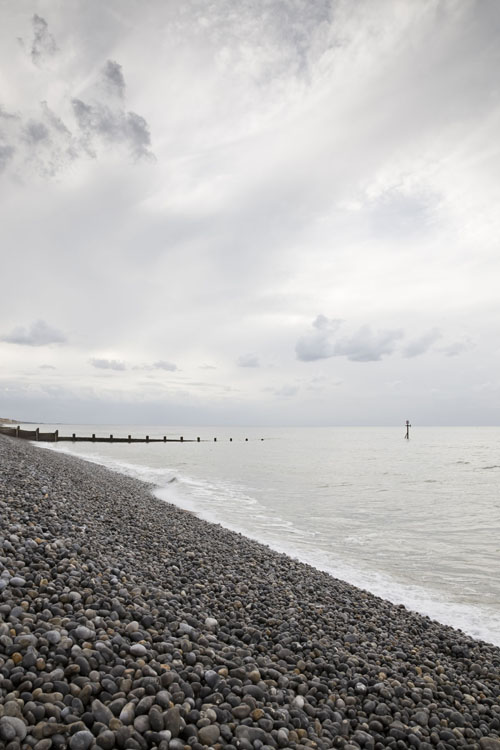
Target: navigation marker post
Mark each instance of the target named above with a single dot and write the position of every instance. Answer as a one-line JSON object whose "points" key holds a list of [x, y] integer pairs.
{"points": [[408, 425]]}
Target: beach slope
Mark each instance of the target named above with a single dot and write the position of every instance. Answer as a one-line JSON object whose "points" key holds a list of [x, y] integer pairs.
{"points": [[128, 623]]}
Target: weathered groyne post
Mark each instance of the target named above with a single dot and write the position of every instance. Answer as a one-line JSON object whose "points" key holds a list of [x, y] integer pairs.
{"points": [[408, 425]]}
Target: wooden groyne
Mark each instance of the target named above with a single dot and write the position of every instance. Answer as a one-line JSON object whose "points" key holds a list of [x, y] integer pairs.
{"points": [[54, 437]]}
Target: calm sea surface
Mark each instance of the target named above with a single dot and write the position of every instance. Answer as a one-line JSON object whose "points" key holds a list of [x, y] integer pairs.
{"points": [[417, 522]]}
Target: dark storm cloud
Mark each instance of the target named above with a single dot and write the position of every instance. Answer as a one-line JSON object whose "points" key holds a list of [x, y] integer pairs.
{"points": [[248, 360], [107, 364], [113, 77], [38, 334], [43, 44], [363, 346], [422, 344]]}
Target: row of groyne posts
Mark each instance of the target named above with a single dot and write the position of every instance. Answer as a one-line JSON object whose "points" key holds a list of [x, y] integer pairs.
{"points": [[54, 437]]}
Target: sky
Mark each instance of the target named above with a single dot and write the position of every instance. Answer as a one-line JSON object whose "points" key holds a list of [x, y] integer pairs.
{"points": [[270, 212]]}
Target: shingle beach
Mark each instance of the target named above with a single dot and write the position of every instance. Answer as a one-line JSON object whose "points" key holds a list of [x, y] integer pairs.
{"points": [[126, 622]]}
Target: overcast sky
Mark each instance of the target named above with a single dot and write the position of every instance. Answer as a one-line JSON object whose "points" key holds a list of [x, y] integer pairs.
{"points": [[250, 211]]}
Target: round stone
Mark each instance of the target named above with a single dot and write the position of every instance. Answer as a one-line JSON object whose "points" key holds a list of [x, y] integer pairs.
{"points": [[81, 740]]}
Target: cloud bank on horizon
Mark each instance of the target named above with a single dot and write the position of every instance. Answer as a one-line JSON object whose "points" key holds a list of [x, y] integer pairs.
{"points": [[296, 202]]}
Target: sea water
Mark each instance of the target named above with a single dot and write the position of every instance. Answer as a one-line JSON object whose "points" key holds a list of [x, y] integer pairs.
{"points": [[414, 521]]}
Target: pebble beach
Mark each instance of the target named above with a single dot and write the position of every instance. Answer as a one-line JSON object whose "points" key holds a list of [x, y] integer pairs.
{"points": [[126, 622]]}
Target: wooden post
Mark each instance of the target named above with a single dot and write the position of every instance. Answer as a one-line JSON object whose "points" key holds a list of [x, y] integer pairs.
{"points": [[37, 433], [408, 425], [130, 438], [93, 436], [164, 438], [182, 439], [56, 436], [111, 438], [197, 439], [147, 438], [215, 440], [73, 436], [230, 440], [17, 430]]}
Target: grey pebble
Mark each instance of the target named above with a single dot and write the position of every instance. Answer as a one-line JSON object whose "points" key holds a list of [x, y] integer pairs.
{"points": [[81, 740], [9, 724], [137, 649]]}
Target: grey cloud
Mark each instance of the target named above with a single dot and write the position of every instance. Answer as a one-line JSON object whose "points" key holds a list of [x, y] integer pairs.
{"points": [[137, 135], [42, 143], [99, 121], [38, 334], [7, 115], [248, 360], [55, 122], [108, 121], [422, 344], [162, 365], [6, 154], [44, 44], [35, 131], [319, 343], [367, 346], [362, 346], [107, 364], [113, 77], [453, 350]]}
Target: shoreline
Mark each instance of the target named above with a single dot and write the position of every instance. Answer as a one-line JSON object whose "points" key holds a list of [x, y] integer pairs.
{"points": [[478, 622], [153, 628]]}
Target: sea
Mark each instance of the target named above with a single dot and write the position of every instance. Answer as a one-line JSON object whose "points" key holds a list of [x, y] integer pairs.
{"points": [[414, 521]]}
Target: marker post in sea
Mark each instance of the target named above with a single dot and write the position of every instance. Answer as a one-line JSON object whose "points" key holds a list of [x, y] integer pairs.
{"points": [[408, 425]]}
